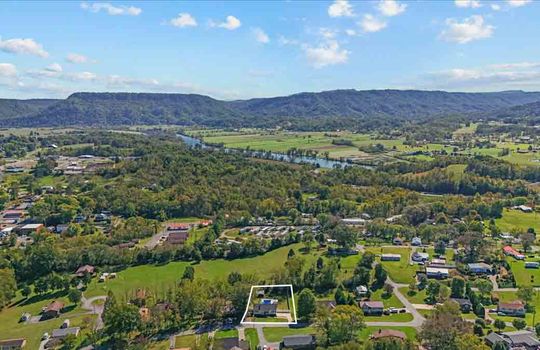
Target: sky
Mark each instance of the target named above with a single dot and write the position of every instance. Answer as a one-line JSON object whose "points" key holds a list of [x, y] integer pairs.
{"points": [[244, 49]]}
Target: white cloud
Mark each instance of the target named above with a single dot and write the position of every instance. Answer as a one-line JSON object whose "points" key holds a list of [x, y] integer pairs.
{"points": [[515, 75], [328, 53], [370, 23], [7, 70], [468, 3], [260, 35], [112, 10], [350, 32], [76, 58], [518, 3], [470, 29], [391, 8], [54, 67], [231, 23], [328, 33], [183, 20], [23, 46], [284, 41], [495, 7], [340, 8]]}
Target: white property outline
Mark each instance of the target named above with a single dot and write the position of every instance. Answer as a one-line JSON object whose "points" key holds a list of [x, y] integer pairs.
{"points": [[270, 323]]}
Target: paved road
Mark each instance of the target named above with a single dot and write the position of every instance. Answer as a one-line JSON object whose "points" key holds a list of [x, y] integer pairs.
{"points": [[155, 239], [88, 304], [418, 319]]}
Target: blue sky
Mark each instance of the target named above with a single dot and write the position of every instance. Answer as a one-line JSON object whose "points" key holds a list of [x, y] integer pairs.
{"points": [[243, 49]]}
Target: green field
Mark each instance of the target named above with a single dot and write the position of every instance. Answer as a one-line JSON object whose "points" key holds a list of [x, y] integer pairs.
{"points": [[389, 301], [163, 277], [155, 278], [399, 271], [230, 333], [522, 275], [418, 298], [516, 219], [185, 341], [404, 317]]}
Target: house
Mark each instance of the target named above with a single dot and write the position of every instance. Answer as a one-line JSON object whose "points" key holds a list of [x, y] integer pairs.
{"points": [[52, 310], [465, 305], [416, 241], [523, 339], [390, 257], [420, 257], [532, 264], [64, 332], [509, 251], [523, 208], [393, 219], [361, 291], [265, 309], [328, 304], [178, 227], [12, 344], [354, 221], [388, 334], [437, 272], [177, 238], [479, 268], [372, 307], [14, 214], [298, 342], [514, 308], [437, 262], [230, 344], [85, 270], [30, 228]]}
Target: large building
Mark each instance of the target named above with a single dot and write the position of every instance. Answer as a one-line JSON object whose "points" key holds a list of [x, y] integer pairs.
{"points": [[523, 340]]}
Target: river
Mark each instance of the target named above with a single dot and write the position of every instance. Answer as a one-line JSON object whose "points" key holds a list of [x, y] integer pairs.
{"points": [[317, 161]]}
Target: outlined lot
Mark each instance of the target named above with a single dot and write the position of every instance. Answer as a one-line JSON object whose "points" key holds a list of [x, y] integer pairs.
{"points": [[270, 304]]}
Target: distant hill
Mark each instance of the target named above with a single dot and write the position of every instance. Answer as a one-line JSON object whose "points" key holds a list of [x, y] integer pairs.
{"points": [[17, 108], [528, 111], [339, 106]]}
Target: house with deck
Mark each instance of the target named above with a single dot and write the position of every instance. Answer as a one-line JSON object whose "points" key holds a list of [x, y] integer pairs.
{"points": [[372, 307]]}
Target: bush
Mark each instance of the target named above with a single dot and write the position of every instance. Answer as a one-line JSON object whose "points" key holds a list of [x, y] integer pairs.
{"points": [[481, 322], [519, 323], [478, 330]]}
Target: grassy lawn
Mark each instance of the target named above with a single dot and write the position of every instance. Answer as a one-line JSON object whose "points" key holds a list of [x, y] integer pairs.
{"points": [[11, 328], [276, 334], [418, 298], [252, 337], [389, 301], [160, 345], [229, 333], [523, 275], [448, 253], [162, 277], [405, 317], [185, 341], [399, 271], [366, 332], [517, 219]]}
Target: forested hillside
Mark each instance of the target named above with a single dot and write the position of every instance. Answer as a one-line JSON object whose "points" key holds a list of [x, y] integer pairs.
{"points": [[19, 108], [329, 109]]}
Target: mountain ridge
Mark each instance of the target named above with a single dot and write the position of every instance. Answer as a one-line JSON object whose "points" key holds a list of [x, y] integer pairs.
{"points": [[340, 106]]}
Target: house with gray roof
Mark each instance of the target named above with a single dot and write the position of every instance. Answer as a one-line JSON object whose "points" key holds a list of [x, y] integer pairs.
{"points": [[523, 339]]}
